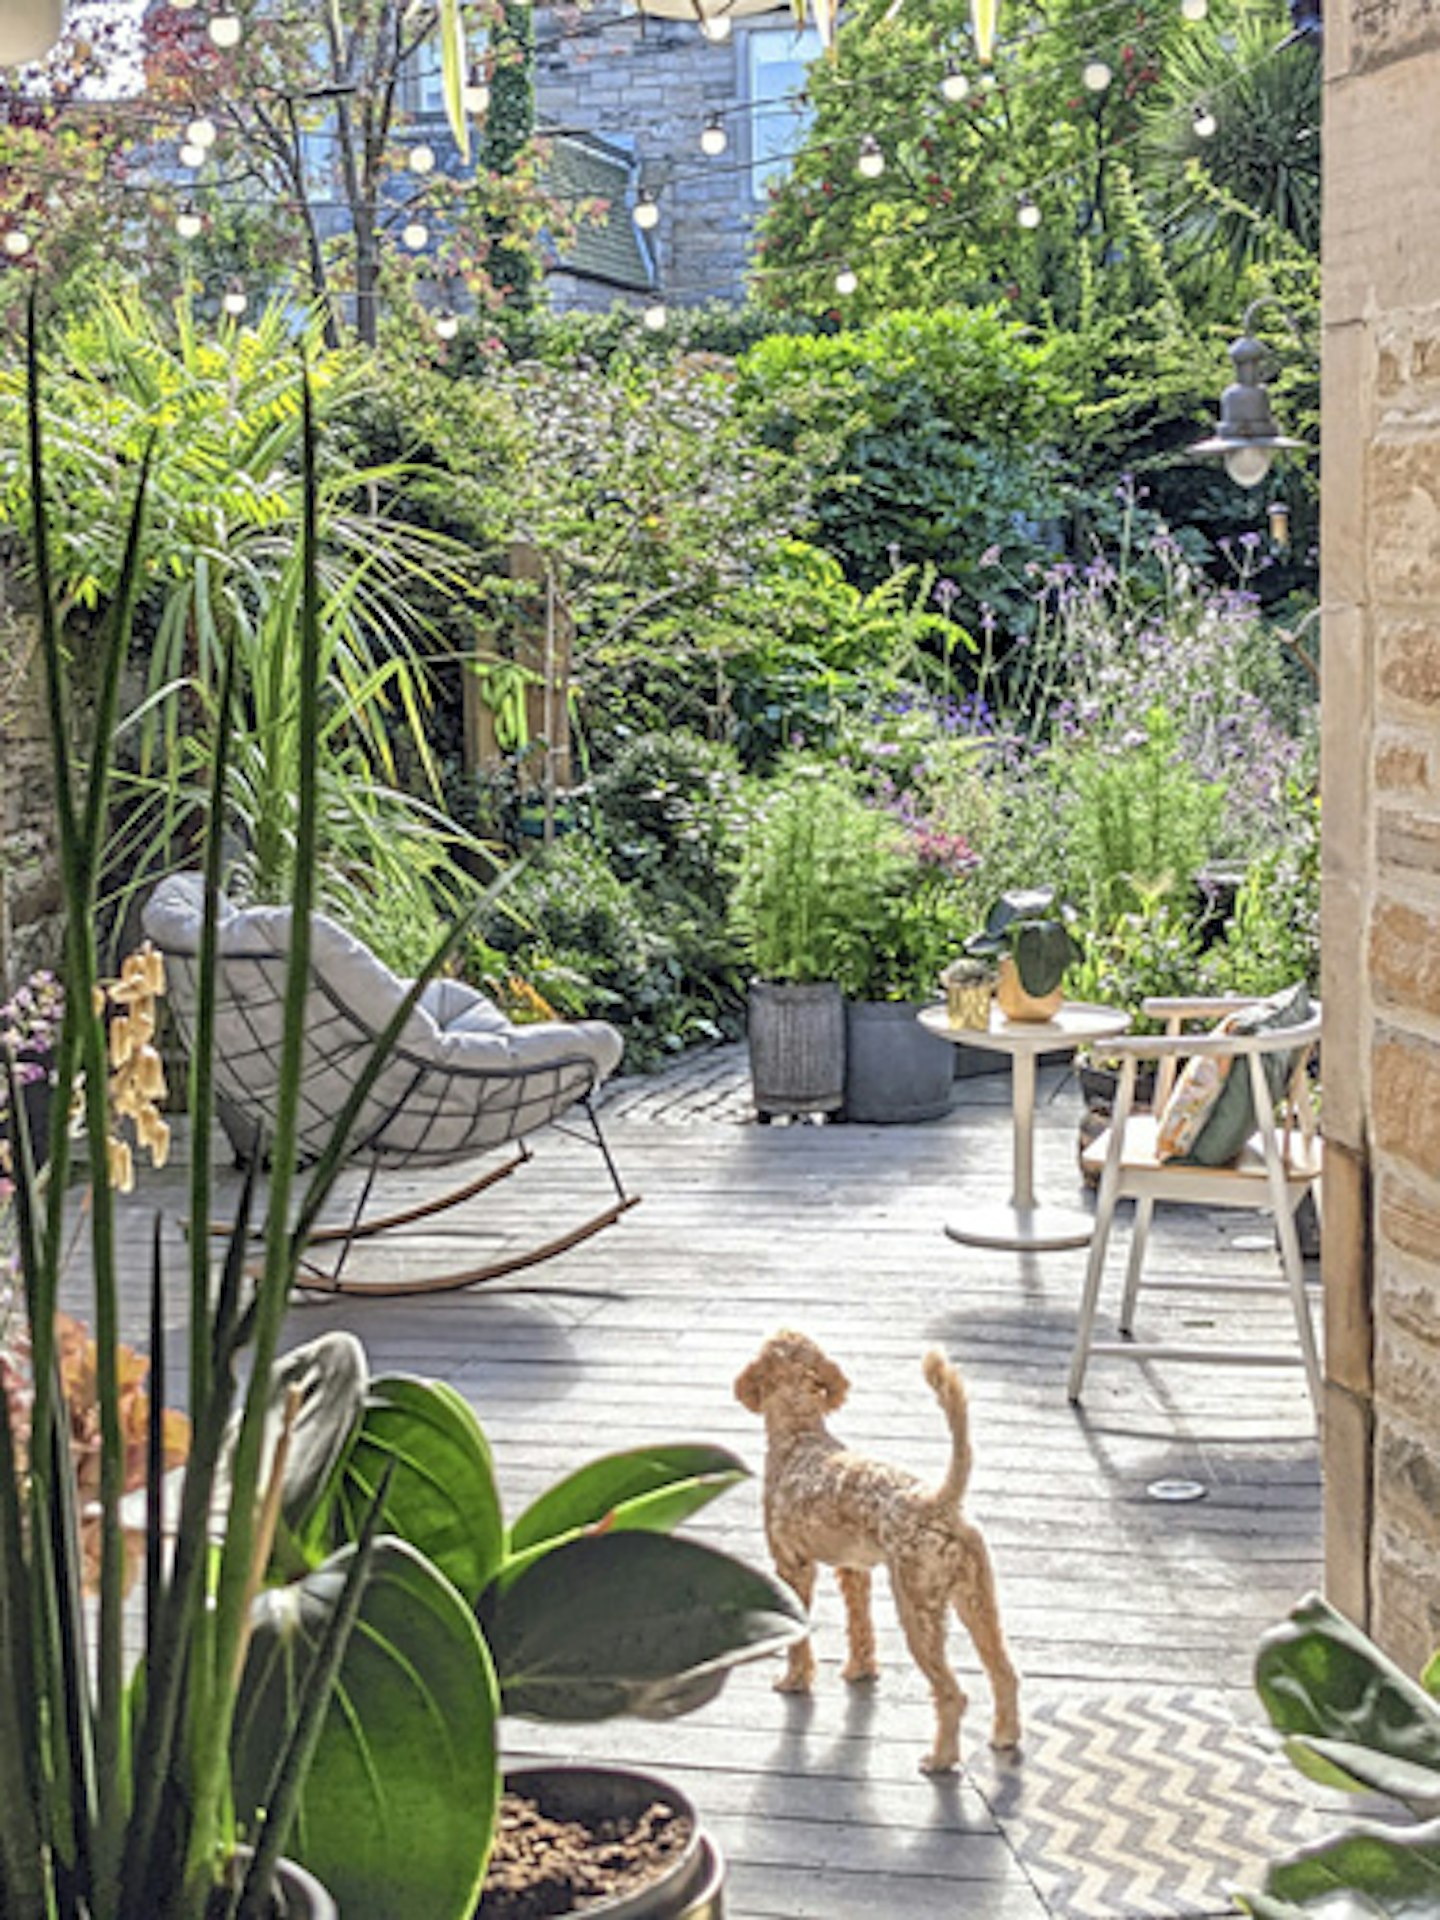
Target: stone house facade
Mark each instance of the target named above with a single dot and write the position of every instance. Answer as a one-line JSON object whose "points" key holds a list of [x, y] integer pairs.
{"points": [[647, 87], [1381, 804]]}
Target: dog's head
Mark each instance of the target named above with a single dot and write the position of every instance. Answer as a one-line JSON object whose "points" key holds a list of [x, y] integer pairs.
{"points": [[791, 1371]]}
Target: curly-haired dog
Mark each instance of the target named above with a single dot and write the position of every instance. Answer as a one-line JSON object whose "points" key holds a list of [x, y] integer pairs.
{"points": [[826, 1504]]}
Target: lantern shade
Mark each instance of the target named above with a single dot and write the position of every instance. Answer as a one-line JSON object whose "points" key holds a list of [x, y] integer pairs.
{"points": [[29, 29], [1246, 436]]}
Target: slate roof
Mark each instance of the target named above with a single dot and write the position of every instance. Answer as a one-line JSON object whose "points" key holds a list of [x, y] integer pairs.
{"points": [[609, 251]]}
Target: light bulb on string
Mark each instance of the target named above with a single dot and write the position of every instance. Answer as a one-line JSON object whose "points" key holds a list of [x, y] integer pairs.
{"points": [[846, 280], [415, 233], [647, 210], [182, 6], [17, 243], [655, 316], [188, 223], [446, 326], [202, 132], [1096, 76], [955, 86], [1194, 10], [225, 30], [233, 300], [1026, 212], [422, 159], [192, 156], [717, 28], [871, 163], [1204, 124], [475, 95], [714, 139]]}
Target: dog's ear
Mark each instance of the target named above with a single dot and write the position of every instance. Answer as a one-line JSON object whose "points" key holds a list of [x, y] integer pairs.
{"points": [[832, 1383], [750, 1387]]}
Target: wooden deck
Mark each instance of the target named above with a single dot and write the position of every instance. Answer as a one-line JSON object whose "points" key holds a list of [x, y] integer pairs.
{"points": [[1107, 1593]]}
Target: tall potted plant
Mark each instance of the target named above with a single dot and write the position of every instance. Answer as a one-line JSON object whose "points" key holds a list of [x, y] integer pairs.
{"points": [[805, 892]]}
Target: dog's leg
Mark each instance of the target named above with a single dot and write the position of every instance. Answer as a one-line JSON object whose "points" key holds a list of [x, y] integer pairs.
{"points": [[923, 1619], [799, 1674], [979, 1610], [860, 1629]]}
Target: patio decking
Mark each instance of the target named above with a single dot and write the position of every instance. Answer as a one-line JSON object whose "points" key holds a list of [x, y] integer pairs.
{"points": [[1132, 1620]]}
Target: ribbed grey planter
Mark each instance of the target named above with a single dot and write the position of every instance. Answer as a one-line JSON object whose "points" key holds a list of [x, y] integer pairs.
{"points": [[896, 1074], [797, 1048]]}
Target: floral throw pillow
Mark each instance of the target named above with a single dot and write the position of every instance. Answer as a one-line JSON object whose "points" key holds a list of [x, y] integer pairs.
{"points": [[1191, 1103]]}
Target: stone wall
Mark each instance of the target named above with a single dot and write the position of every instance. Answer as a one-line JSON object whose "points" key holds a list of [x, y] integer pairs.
{"points": [[1381, 504], [648, 85], [30, 929]]}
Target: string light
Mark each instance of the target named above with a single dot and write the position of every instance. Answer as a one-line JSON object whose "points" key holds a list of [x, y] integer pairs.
{"points": [[225, 30], [233, 300], [188, 223], [1194, 10], [1026, 212], [1096, 76], [446, 326], [415, 234], [846, 280], [202, 132], [422, 159], [871, 163], [714, 139], [475, 95], [182, 6], [1205, 124], [192, 156], [17, 243], [717, 28], [655, 316], [955, 86], [647, 210]]}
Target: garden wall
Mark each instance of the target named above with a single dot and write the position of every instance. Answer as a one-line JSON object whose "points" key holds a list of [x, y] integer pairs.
{"points": [[1381, 911], [30, 927]]}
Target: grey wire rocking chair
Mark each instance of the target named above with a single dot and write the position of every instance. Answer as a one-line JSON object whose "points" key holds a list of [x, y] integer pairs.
{"points": [[461, 1081]]}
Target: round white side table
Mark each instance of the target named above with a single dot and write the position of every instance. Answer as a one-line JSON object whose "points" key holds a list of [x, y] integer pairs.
{"points": [[1022, 1225]]}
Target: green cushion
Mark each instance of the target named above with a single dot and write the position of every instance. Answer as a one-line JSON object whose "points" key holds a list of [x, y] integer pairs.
{"points": [[1232, 1118]]}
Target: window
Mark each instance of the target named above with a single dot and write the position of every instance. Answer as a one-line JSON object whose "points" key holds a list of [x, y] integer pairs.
{"points": [[427, 87], [779, 58]]}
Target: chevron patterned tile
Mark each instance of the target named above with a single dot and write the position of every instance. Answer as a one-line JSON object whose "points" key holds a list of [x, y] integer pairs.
{"points": [[1144, 1805]]}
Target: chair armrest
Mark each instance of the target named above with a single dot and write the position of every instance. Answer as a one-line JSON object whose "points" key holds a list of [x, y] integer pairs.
{"points": [[1223, 1046], [1197, 1006]]}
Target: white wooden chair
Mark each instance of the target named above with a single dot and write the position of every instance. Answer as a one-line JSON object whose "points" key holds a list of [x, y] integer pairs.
{"points": [[1279, 1165]]}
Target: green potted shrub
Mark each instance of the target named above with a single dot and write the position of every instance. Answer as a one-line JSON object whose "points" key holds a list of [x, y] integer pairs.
{"points": [[896, 1072], [804, 895], [1030, 934]]}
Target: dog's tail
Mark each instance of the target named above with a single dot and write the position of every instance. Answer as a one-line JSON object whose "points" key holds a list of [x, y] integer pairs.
{"points": [[949, 1390]]}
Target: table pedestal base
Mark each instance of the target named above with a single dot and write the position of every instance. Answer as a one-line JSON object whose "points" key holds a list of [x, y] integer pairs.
{"points": [[1023, 1229]]}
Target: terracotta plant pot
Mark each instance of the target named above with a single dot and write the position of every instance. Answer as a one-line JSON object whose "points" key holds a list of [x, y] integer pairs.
{"points": [[1016, 1004], [687, 1887]]}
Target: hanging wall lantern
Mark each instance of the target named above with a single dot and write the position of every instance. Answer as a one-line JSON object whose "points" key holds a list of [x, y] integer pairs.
{"points": [[29, 29], [1246, 437]]}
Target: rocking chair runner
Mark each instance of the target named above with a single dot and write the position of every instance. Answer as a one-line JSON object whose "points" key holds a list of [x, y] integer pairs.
{"points": [[461, 1080]]}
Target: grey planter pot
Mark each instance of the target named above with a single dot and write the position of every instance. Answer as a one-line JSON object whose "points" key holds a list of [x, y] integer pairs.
{"points": [[301, 1895], [691, 1888], [797, 1048], [896, 1074]]}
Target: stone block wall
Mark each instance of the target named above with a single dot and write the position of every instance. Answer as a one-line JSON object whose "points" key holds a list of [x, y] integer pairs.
{"points": [[30, 926], [648, 85], [1381, 911]]}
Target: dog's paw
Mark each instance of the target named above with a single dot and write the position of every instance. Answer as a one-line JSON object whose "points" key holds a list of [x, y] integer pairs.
{"points": [[1006, 1737], [860, 1673], [793, 1683], [940, 1762]]}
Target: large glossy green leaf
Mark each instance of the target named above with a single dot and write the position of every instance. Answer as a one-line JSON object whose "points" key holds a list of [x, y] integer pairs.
{"points": [[630, 1623], [1370, 1872], [1323, 1681], [442, 1498], [399, 1804], [649, 1488]]}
